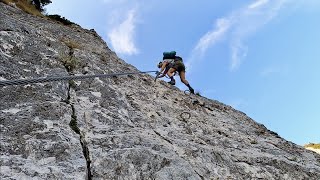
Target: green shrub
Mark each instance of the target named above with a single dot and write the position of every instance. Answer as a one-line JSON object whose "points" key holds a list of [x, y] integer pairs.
{"points": [[73, 124], [58, 18], [69, 62], [72, 84]]}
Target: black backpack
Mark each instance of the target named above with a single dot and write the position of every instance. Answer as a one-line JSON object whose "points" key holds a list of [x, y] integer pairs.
{"points": [[178, 58]]}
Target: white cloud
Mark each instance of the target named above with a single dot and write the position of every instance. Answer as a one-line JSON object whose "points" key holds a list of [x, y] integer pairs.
{"points": [[257, 4], [122, 17], [210, 38], [122, 35], [222, 26], [237, 27], [238, 52]]}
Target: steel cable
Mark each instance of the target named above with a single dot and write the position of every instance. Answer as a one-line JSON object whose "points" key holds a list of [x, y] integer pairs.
{"points": [[64, 78]]}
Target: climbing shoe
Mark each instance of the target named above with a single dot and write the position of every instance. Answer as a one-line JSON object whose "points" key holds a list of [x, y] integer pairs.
{"points": [[191, 90], [172, 82]]}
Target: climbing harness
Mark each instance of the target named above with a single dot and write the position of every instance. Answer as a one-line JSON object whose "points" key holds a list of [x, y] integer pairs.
{"points": [[158, 74], [65, 78]]}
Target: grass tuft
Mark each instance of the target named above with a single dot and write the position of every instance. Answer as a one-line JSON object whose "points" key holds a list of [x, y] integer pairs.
{"points": [[313, 145], [71, 44], [29, 8], [24, 5]]}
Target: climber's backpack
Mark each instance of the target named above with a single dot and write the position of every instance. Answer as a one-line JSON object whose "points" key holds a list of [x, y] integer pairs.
{"points": [[169, 55], [177, 58]]}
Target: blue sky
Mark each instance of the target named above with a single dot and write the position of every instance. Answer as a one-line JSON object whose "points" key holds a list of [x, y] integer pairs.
{"points": [[262, 57]]}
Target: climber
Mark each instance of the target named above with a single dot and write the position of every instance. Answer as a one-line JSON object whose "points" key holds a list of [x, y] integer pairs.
{"points": [[171, 64], [164, 66]]}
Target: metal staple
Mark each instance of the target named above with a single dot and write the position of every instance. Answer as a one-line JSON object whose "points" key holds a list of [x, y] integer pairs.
{"points": [[182, 115]]}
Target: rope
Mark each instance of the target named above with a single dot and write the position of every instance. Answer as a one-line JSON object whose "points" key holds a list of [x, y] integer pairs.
{"points": [[64, 78]]}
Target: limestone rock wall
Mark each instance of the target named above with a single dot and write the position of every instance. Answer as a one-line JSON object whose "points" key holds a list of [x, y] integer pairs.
{"points": [[121, 127]]}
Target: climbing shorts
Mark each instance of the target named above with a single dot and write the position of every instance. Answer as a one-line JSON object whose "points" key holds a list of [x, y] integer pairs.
{"points": [[179, 66]]}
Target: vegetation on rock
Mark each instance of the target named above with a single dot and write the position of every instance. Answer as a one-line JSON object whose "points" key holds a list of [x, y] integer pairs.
{"points": [[24, 5], [36, 7], [313, 145]]}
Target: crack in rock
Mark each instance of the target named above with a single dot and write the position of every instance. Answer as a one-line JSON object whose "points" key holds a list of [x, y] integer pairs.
{"points": [[74, 125]]}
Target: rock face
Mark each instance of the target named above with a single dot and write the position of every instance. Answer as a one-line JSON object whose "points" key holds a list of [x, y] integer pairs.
{"points": [[127, 127], [313, 149]]}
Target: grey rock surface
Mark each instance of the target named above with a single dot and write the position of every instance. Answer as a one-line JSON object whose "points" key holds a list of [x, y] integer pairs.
{"points": [[127, 127]]}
